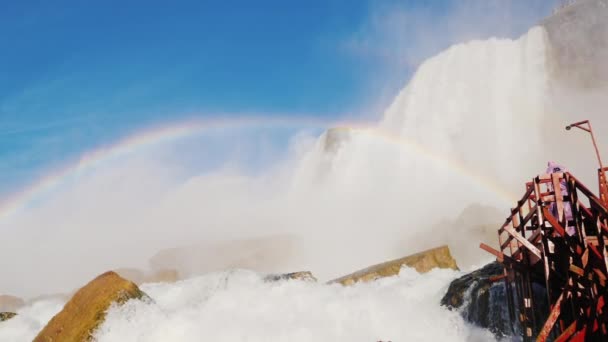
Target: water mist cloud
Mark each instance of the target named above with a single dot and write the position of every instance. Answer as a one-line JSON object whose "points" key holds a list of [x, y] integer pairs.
{"points": [[311, 204], [341, 201]]}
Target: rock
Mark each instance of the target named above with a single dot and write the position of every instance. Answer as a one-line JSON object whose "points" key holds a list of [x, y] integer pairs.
{"points": [[5, 316], [482, 300], [478, 281], [87, 308], [439, 257], [10, 303], [304, 276]]}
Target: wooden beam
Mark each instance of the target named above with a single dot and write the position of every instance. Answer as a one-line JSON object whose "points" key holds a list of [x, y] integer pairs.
{"points": [[577, 270], [499, 255], [524, 242], [553, 316], [567, 333], [553, 222]]}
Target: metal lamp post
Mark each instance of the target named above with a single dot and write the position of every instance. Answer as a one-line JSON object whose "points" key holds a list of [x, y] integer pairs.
{"points": [[586, 126]]}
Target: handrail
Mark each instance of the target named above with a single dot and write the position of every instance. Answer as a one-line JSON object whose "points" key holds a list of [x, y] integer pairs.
{"points": [[571, 263]]}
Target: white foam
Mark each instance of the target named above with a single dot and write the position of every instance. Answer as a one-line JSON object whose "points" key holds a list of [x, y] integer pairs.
{"points": [[240, 306], [29, 320]]}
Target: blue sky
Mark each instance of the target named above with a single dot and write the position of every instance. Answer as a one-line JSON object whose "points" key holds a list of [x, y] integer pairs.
{"points": [[75, 75]]}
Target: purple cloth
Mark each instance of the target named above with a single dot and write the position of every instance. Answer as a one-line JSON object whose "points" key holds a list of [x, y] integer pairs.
{"points": [[553, 167]]}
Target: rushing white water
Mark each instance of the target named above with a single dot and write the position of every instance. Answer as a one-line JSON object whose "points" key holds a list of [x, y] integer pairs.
{"points": [[359, 197], [239, 306], [468, 129], [483, 103], [30, 320]]}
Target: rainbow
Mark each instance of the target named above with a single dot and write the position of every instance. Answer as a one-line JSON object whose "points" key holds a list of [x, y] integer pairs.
{"points": [[451, 164], [147, 138], [139, 141]]}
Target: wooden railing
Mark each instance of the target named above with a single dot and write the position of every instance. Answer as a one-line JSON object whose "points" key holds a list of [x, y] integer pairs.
{"points": [[557, 239]]}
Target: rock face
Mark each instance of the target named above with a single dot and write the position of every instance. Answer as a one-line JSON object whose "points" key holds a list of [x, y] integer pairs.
{"points": [[482, 300], [10, 303], [439, 257], [86, 310], [304, 276], [5, 316]]}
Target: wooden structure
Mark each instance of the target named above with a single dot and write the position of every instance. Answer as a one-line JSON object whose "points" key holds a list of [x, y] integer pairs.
{"points": [[555, 239]]}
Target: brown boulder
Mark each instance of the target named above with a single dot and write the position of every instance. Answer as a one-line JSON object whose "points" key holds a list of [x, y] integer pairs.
{"points": [[87, 308], [439, 257]]}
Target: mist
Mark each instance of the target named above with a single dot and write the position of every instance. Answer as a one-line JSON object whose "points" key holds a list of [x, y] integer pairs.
{"points": [[455, 145]]}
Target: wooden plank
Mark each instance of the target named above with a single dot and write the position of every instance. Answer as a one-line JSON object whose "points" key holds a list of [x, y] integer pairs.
{"points": [[525, 197], [567, 333], [580, 335], [506, 243], [553, 316], [576, 270], [585, 258], [524, 242], [601, 277], [493, 279], [527, 226], [539, 213], [558, 198], [529, 215], [533, 239], [499, 256], [553, 222]]}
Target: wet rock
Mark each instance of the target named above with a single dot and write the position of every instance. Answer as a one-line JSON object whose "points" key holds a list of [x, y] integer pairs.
{"points": [[304, 276], [5, 316], [439, 257], [481, 299], [87, 308]]}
